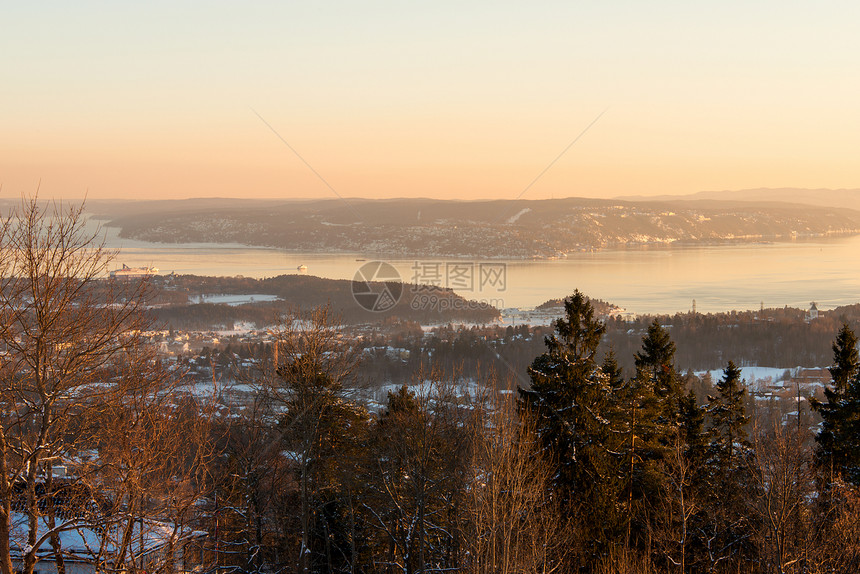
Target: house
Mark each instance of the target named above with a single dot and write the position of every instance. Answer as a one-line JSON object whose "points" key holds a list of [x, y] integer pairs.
{"points": [[812, 314]]}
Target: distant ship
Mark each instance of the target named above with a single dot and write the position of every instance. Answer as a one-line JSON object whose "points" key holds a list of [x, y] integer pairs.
{"points": [[302, 268], [127, 271]]}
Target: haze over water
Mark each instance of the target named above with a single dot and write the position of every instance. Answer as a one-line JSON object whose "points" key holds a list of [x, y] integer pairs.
{"points": [[643, 280]]}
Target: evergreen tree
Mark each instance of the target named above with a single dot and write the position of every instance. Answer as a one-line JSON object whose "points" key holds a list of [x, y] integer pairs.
{"points": [[416, 482], [728, 419], [692, 427], [648, 411], [838, 449], [846, 361], [657, 389], [320, 427], [655, 364], [570, 399], [727, 483], [613, 373]]}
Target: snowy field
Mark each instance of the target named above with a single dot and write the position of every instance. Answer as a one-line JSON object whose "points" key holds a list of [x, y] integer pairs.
{"points": [[750, 374], [234, 300], [758, 378]]}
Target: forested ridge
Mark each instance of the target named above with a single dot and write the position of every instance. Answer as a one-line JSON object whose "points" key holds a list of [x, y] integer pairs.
{"points": [[428, 304]]}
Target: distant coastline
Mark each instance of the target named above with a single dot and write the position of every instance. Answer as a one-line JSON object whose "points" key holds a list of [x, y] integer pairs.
{"points": [[513, 230]]}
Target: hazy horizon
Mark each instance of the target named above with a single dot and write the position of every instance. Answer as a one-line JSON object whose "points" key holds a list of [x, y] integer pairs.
{"points": [[622, 197], [449, 101]]}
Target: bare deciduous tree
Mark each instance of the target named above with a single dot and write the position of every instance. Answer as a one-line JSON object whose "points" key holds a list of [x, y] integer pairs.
{"points": [[154, 450], [782, 479], [516, 526], [678, 503], [60, 327]]}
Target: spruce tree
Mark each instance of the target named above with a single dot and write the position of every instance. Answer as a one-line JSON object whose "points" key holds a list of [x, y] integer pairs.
{"points": [[726, 522], [658, 388], [692, 427], [728, 419], [846, 362], [610, 368], [569, 398], [655, 367], [838, 449], [647, 416]]}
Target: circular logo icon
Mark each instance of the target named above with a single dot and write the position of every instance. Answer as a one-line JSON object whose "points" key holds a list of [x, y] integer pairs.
{"points": [[376, 286]]}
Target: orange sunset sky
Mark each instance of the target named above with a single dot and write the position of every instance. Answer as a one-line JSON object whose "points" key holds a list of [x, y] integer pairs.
{"points": [[444, 99]]}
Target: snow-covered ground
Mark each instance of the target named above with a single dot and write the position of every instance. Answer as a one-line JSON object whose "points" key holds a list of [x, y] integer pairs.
{"points": [[533, 317], [753, 373], [239, 328], [234, 300], [757, 379], [519, 214]]}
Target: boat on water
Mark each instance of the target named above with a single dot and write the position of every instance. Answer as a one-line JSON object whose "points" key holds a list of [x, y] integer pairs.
{"points": [[128, 272], [302, 268]]}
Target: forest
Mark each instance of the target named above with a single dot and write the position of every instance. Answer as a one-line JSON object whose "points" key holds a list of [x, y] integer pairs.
{"points": [[577, 466], [583, 471], [703, 342]]}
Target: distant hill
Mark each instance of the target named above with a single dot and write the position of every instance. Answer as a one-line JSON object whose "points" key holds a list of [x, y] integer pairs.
{"points": [[429, 305], [600, 306], [847, 198], [517, 229]]}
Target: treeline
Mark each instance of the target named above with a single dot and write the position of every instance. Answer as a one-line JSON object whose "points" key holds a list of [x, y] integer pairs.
{"points": [[584, 471], [773, 337], [468, 351], [778, 338], [438, 480], [658, 478]]}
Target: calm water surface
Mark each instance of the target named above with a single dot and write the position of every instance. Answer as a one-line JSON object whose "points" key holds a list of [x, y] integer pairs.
{"points": [[647, 280]]}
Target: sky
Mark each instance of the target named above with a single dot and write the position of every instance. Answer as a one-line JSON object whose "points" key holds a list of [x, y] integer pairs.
{"points": [[463, 100]]}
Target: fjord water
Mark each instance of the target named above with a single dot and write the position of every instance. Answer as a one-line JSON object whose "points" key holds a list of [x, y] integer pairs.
{"points": [[641, 280]]}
